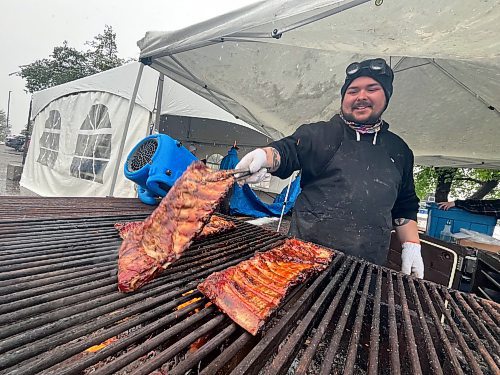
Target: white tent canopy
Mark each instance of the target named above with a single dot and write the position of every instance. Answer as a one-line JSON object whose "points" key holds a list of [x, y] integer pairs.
{"points": [[176, 100], [446, 57], [78, 128]]}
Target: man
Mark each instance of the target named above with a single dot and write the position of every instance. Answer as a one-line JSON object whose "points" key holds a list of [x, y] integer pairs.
{"points": [[488, 207], [357, 176]]}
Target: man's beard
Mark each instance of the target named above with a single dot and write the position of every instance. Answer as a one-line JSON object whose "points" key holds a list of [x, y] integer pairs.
{"points": [[374, 118]]}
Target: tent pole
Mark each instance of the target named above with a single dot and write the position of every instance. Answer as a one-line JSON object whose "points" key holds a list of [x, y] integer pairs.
{"points": [[277, 33], [174, 51], [159, 98], [28, 134], [464, 86], [204, 86], [189, 77], [285, 202], [125, 129]]}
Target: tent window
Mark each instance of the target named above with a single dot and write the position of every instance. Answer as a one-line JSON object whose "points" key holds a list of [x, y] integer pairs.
{"points": [[213, 161], [49, 141], [93, 147]]}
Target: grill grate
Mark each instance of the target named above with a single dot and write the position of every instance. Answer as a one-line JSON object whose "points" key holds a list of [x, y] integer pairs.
{"points": [[59, 298], [15, 208]]}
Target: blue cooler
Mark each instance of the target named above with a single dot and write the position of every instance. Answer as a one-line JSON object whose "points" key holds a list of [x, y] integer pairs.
{"points": [[459, 219], [154, 164]]}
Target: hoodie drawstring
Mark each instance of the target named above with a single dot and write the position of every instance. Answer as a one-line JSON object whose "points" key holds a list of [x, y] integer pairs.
{"points": [[358, 137]]}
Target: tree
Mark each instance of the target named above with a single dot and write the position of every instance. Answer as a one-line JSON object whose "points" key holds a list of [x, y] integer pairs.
{"points": [[3, 125], [461, 182], [64, 65], [103, 54], [67, 63], [444, 181]]}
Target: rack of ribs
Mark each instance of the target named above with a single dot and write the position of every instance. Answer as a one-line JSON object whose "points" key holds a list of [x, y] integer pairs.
{"points": [[148, 249], [253, 289], [216, 225]]}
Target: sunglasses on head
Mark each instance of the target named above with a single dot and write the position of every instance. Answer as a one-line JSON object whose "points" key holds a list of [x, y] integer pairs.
{"points": [[378, 66]]}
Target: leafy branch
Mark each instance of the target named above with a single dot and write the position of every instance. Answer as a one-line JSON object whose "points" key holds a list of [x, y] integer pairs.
{"points": [[460, 182], [67, 63]]}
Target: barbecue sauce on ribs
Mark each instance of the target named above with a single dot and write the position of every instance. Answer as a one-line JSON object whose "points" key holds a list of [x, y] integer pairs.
{"points": [[172, 226], [216, 225], [250, 291]]}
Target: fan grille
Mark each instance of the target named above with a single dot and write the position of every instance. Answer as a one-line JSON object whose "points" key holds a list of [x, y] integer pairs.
{"points": [[142, 155]]}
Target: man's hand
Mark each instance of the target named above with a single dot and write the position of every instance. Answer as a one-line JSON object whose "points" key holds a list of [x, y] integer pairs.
{"points": [[411, 260], [256, 162], [446, 205]]}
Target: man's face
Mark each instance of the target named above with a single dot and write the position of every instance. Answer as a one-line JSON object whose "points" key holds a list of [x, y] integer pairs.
{"points": [[364, 101]]}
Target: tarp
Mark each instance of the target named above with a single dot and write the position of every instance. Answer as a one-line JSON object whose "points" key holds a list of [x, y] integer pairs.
{"points": [[78, 128], [446, 57], [230, 160], [245, 202]]}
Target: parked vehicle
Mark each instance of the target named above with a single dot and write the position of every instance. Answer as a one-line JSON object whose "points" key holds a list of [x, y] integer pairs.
{"points": [[16, 142]]}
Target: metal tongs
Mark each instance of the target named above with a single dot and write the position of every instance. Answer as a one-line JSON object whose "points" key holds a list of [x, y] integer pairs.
{"points": [[243, 173]]}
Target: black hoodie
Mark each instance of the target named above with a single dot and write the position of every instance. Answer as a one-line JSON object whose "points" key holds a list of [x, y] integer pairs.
{"points": [[312, 146]]}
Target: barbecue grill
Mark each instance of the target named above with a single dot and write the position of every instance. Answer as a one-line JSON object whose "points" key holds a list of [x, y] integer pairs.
{"points": [[61, 313]]}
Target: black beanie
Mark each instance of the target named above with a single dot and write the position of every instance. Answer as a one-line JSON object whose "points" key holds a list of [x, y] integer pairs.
{"points": [[384, 78]]}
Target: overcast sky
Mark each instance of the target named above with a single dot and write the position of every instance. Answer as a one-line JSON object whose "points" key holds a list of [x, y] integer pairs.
{"points": [[30, 29]]}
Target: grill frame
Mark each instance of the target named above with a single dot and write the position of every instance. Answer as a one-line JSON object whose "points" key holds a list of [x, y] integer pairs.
{"points": [[36, 319]]}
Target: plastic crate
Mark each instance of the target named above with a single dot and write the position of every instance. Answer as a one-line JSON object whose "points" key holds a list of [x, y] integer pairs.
{"points": [[459, 219]]}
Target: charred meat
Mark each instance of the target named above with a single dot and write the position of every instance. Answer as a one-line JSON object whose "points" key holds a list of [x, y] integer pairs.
{"points": [[252, 290], [216, 225], [172, 226]]}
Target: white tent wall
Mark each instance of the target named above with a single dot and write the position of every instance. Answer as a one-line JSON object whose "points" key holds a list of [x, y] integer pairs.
{"points": [[81, 129], [446, 56]]}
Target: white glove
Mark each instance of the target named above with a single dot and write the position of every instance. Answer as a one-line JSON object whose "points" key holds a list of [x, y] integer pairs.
{"points": [[411, 260], [256, 163]]}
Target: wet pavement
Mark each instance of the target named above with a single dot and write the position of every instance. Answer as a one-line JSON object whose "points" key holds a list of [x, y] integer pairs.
{"points": [[9, 156]]}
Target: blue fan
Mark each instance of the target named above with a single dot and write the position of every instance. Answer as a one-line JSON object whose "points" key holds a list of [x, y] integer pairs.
{"points": [[154, 164]]}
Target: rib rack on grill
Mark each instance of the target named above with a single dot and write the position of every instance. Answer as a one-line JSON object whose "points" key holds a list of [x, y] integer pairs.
{"points": [[250, 291], [172, 226], [216, 225]]}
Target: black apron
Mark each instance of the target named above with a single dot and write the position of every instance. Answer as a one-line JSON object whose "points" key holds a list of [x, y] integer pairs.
{"points": [[348, 208]]}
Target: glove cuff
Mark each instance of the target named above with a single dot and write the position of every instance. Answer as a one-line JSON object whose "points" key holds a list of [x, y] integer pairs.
{"points": [[412, 246]]}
